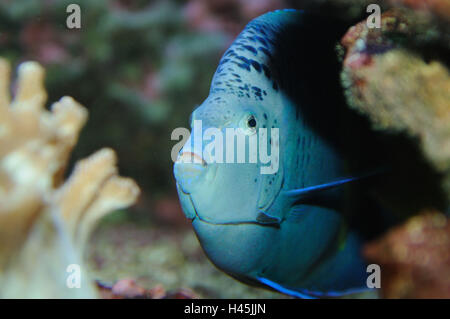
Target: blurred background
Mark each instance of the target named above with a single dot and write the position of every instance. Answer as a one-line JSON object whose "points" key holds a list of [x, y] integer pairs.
{"points": [[141, 67]]}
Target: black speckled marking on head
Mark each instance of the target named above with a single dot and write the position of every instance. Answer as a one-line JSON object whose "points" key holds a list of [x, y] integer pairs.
{"points": [[251, 49], [250, 52], [257, 93]]}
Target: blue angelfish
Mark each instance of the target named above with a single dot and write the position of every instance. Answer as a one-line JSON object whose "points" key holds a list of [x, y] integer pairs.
{"points": [[283, 230]]}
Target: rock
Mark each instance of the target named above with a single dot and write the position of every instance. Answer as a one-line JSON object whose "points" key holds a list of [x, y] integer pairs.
{"points": [[398, 77], [129, 289], [415, 258], [390, 76]]}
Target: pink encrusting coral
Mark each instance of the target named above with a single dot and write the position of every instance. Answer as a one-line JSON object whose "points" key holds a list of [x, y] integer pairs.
{"points": [[405, 90]]}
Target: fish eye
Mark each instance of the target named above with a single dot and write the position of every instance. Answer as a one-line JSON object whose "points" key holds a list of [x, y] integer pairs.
{"points": [[251, 122], [248, 124]]}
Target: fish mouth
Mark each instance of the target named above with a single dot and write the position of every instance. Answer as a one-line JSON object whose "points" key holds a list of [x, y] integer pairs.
{"points": [[187, 205], [190, 171], [192, 158], [192, 214]]}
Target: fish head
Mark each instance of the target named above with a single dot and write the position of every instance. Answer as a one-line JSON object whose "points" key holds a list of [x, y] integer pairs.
{"points": [[219, 181], [223, 199], [223, 194], [246, 98]]}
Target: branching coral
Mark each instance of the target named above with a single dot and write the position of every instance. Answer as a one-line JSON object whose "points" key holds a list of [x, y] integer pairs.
{"points": [[44, 221]]}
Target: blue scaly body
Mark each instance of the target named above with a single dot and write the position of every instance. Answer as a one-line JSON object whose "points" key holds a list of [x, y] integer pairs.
{"points": [[283, 230]]}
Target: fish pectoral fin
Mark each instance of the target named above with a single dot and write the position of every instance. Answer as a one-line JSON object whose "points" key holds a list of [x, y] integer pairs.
{"points": [[266, 219], [297, 213], [284, 290], [311, 191], [308, 294]]}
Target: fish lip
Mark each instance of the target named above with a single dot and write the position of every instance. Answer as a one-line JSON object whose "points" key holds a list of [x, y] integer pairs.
{"points": [[196, 215], [229, 223], [191, 157], [188, 195]]}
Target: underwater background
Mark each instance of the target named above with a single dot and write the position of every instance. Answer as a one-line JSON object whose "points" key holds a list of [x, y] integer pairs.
{"points": [[141, 67]]}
